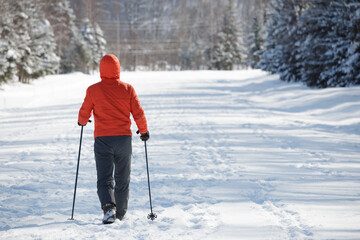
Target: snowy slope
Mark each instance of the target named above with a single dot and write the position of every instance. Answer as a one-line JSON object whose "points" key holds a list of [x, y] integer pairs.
{"points": [[233, 155]]}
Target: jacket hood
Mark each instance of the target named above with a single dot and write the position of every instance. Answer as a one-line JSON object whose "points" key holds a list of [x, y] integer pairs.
{"points": [[109, 67]]}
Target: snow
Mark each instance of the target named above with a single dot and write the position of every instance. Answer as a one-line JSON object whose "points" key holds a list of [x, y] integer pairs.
{"points": [[232, 155]]}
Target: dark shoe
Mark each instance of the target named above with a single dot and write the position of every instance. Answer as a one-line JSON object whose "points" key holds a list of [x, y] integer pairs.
{"points": [[120, 215], [109, 213]]}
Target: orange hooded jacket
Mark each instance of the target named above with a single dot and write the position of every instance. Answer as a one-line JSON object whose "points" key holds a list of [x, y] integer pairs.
{"points": [[111, 101]]}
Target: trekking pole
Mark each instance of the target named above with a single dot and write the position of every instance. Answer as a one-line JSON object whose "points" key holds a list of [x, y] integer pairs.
{"points": [[77, 173], [151, 215]]}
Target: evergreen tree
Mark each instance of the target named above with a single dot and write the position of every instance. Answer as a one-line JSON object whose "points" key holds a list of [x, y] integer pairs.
{"points": [[80, 54], [88, 33], [5, 66], [352, 62], [317, 49], [347, 42], [314, 41], [8, 50], [42, 45], [331, 38], [284, 40], [100, 45], [66, 34], [255, 42], [269, 59], [27, 44], [95, 42], [226, 50], [20, 40]]}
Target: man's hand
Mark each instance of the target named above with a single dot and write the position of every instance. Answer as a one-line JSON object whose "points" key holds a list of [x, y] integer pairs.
{"points": [[83, 125], [145, 136]]}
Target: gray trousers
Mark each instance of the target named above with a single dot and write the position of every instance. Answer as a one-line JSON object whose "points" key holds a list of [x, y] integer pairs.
{"points": [[113, 161]]}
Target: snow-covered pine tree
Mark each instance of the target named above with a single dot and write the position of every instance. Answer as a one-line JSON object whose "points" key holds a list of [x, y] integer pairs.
{"points": [[27, 43], [95, 41], [283, 39], [255, 42], [318, 49], [317, 42], [19, 39], [100, 45], [328, 50], [88, 33], [8, 50], [66, 34], [269, 59], [350, 66], [6, 68], [80, 54], [226, 50], [42, 43], [352, 63]]}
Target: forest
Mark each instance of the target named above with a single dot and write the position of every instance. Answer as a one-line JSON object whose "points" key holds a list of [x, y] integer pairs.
{"points": [[312, 41]]}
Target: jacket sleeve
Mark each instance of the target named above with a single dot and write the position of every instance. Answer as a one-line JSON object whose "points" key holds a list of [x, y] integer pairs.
{"points": [[137, 111], [86, 109]]}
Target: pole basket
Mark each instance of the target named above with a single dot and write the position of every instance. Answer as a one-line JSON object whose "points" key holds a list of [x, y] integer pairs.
{"points": [[152, 216]]}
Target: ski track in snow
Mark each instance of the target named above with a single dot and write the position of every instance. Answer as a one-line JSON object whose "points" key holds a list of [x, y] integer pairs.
{"points": [[233, 155]]}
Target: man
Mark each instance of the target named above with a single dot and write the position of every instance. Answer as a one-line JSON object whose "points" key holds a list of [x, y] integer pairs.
{"points": [[111, 101]]}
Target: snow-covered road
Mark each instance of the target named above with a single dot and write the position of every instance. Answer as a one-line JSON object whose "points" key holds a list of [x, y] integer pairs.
{"points": [[233, 155]]}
